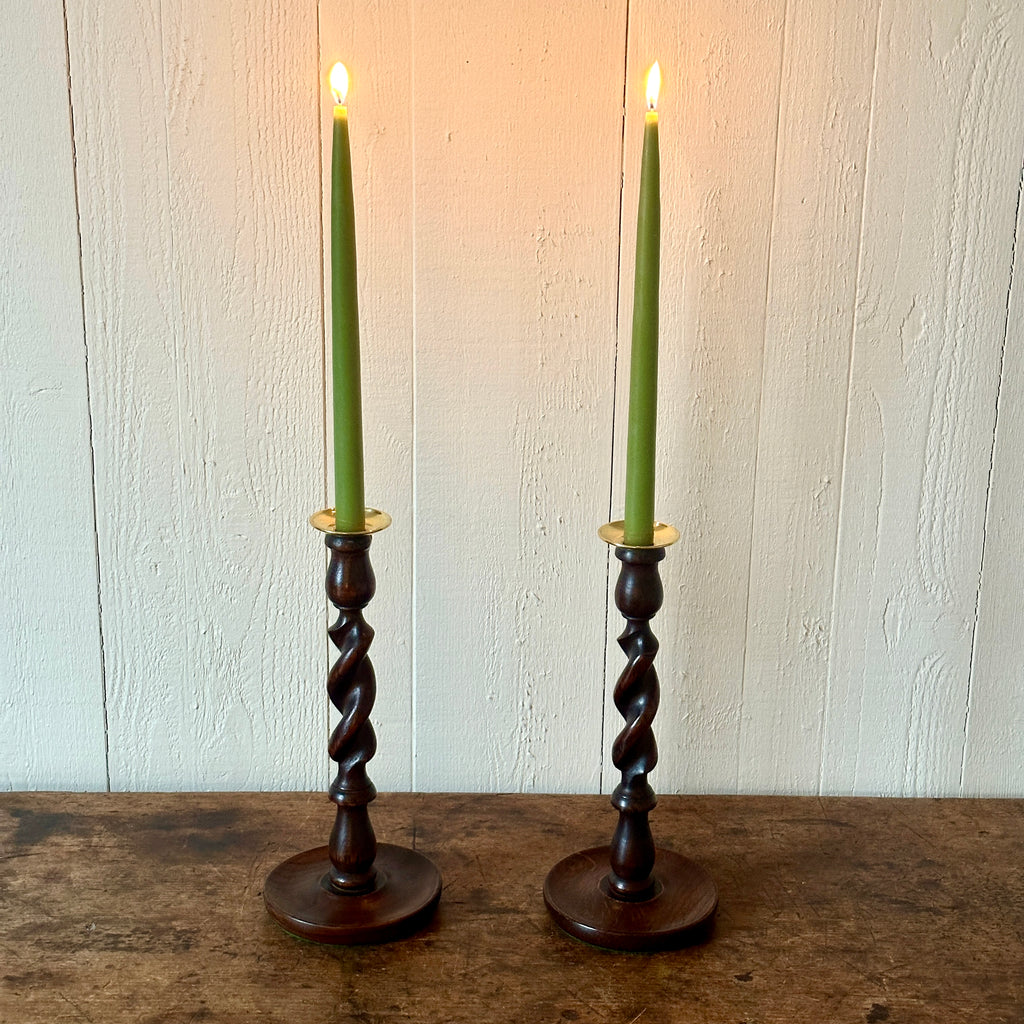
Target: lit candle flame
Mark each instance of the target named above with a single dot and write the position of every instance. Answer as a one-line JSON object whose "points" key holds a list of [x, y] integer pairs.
{"points": [[339, 83], [653, 86]]}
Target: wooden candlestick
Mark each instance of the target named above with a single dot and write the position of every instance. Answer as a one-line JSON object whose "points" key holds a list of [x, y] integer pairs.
{"points": [[630, 895], [353, 890]]}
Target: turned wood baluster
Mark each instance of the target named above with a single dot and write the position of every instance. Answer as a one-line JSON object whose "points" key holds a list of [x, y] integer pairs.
{"points": [[352, 688], [353, 890], [638, 596], [631, 906]]}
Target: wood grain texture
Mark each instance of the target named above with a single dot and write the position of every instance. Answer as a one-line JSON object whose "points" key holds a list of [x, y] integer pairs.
{"points": [[51, 682], [838, 425], [833, 909], [817, 215], [198, 155], [373, 40], [517, 151], [942, 186], [718, 115], [995, 709]]}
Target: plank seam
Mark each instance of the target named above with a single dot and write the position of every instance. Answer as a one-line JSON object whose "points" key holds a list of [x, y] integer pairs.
{"points": [[988, 487], [846, 414], [615, 388], [323, 277], [413, 432], [88, 401], [760, 393], [318, 114]]}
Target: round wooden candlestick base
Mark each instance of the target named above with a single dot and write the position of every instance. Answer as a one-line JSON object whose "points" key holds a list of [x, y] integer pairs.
{"points": [[354, 889], [678, 913], [406, 889]]}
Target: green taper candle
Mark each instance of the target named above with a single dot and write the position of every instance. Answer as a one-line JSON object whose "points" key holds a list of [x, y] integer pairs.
{"points": [[349, 514], [643, 368]]}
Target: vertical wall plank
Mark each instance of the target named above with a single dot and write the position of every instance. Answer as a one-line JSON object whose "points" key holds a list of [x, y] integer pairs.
{"points": [[995, 720], [199, 175], [816, 227], [942, 184], [373, 40], [517, 162], [51, 686], [719, 108]]}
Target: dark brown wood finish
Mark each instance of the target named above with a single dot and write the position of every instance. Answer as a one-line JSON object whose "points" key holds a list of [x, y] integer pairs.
{"points": [[629, 895], [679, 909], [351, 890], [148, 909]]}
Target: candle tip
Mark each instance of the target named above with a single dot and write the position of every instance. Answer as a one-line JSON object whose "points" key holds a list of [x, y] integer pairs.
{"points": [[653, 85], [339, 83]]}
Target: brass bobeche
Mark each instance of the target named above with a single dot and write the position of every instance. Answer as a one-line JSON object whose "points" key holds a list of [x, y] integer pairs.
{"points": [[614, 533], [374, 523]]}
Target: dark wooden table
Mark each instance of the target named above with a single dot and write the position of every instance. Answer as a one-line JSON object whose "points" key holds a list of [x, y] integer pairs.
{"points": [[148, 908]]}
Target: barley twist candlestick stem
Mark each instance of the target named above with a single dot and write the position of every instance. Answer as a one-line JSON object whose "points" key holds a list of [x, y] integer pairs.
{"points": [[352, 890], [352, 687], [638, 595], [630, 895]]}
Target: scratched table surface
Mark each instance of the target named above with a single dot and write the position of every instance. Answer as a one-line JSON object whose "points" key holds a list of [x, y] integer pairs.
{"points": [[148, 908]]}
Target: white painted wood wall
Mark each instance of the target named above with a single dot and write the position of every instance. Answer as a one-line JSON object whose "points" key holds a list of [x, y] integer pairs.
{"points": [[841, 414]]}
